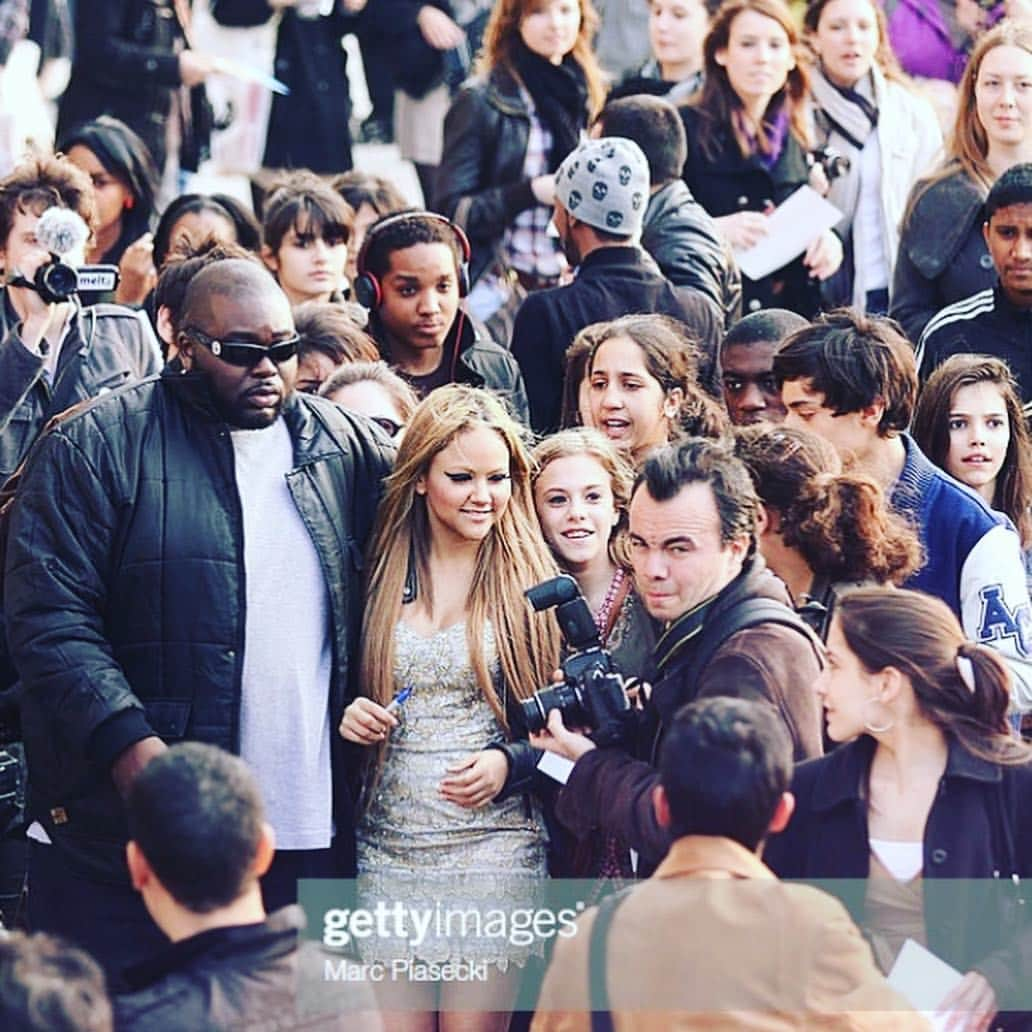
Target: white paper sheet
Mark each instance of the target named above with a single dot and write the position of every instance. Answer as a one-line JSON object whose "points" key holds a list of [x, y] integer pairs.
{"points": [[556, 767], [791, 228], [923, 980]]}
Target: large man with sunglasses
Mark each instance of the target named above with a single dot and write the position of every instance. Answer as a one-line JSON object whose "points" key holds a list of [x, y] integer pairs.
{"points": [[183, 563]]}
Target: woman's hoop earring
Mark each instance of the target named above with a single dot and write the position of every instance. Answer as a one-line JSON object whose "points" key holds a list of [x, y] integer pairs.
{"points": [[874, 729]]}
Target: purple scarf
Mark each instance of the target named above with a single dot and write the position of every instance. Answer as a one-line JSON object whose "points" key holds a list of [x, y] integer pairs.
{"points": [[774, 134]]}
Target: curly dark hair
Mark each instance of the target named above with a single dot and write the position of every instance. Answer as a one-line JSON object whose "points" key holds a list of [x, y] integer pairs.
{"points": [[839, 523], [671, 356], [854, 360]]}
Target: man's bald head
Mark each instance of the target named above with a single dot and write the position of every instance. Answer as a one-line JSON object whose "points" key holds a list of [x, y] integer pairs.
{"points": [[235, 277]]}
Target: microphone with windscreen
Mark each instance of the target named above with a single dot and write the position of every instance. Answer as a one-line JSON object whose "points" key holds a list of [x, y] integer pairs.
{"points": [[63, 232]]}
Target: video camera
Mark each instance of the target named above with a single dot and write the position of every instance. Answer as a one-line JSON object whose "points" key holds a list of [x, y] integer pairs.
{"points": [[591, 694], [62, 232]]}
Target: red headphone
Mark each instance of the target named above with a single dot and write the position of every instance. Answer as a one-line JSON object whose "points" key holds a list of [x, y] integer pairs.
{"points": [[366, 286]]}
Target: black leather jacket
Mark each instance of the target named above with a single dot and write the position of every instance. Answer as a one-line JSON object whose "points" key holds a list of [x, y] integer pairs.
{"points": [[107, 346], [480, 362], [689, 249], [124, 589], [483, 363], [943, 256], [126, 64], [485, 145]]}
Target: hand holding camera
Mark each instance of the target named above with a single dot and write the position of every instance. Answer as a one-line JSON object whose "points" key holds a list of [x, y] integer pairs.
{"points": [[588, 691]]}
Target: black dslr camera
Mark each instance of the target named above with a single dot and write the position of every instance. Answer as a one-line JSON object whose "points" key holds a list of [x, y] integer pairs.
{"points": [[834, 162], [591, 694]]}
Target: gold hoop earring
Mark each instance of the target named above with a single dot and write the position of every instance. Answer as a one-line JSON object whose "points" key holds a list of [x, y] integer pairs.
{"points": [[873, 728]]}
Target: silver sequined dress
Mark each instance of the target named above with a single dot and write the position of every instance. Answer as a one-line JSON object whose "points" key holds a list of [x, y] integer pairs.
{"points": [[465, 866]]}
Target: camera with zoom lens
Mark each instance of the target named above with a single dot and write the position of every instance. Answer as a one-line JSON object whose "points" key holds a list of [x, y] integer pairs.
{"points": [[591, 693], [834, 162], [56, 281]]}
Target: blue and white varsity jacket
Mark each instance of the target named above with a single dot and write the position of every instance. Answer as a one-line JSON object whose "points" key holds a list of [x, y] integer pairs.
{"points": [[973, 562]]}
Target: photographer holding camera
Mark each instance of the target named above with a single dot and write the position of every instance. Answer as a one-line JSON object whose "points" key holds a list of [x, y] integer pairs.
{"points": [[54, 353], [729, 631]]}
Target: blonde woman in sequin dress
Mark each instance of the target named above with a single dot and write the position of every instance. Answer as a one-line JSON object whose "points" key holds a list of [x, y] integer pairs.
{"points": [[455, 547]]}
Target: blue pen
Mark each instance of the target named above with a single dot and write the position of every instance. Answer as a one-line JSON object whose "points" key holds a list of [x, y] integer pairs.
{"points": [[400, 699]]}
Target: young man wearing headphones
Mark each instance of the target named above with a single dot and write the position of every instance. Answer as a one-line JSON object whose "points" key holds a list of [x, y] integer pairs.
{"points": [[412, 276]]}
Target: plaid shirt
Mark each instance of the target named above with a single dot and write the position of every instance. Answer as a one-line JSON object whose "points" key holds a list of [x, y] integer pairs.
{"points": [[528, 247]]}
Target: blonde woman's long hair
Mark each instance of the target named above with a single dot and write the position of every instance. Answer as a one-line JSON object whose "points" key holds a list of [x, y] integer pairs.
{"points": [[968, 146], [512, 558]]}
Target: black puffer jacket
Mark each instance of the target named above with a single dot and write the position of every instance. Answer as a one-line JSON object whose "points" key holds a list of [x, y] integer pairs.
{"points": [[485, 145], [942, 254], [689, 249], [107, 346], [124, 589]]}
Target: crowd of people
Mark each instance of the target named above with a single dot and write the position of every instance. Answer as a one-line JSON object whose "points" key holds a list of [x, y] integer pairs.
{"points": [[713, 327]]}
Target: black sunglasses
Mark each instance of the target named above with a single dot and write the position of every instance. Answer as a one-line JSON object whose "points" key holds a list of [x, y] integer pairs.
{"points": [[243, 353], [388, 426]]}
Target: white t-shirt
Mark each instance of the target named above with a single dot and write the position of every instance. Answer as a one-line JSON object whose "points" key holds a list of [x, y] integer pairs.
{"points": [[284, 709]]}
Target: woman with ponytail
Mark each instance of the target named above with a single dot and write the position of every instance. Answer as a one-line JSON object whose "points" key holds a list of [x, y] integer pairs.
{"points": [[929, 784], [822, 531]]}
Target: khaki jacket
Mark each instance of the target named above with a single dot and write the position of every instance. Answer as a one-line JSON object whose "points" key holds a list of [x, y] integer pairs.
{"points": [[714, 941]]}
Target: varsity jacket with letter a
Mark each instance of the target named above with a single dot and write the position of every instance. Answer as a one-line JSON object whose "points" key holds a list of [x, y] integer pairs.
{"points": [[972, 562]]}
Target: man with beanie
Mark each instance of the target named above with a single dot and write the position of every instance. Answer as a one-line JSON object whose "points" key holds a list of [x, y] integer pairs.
{"points": [[996, 321], [601, 193]]}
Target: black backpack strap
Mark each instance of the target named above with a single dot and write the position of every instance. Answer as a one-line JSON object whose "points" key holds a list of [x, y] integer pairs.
{"points": [[817, 606], [747, 613], [598, 989]]}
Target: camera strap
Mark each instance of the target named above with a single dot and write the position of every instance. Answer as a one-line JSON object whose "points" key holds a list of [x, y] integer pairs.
{"points": [[598, 986]]}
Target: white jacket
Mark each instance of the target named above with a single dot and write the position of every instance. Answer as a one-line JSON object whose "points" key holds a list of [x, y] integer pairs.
{"points": [[910, 143]]}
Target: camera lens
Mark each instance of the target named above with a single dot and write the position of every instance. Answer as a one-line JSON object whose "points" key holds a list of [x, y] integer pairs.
{"points": [[58, 279], [534, 713], [563, 697]]}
